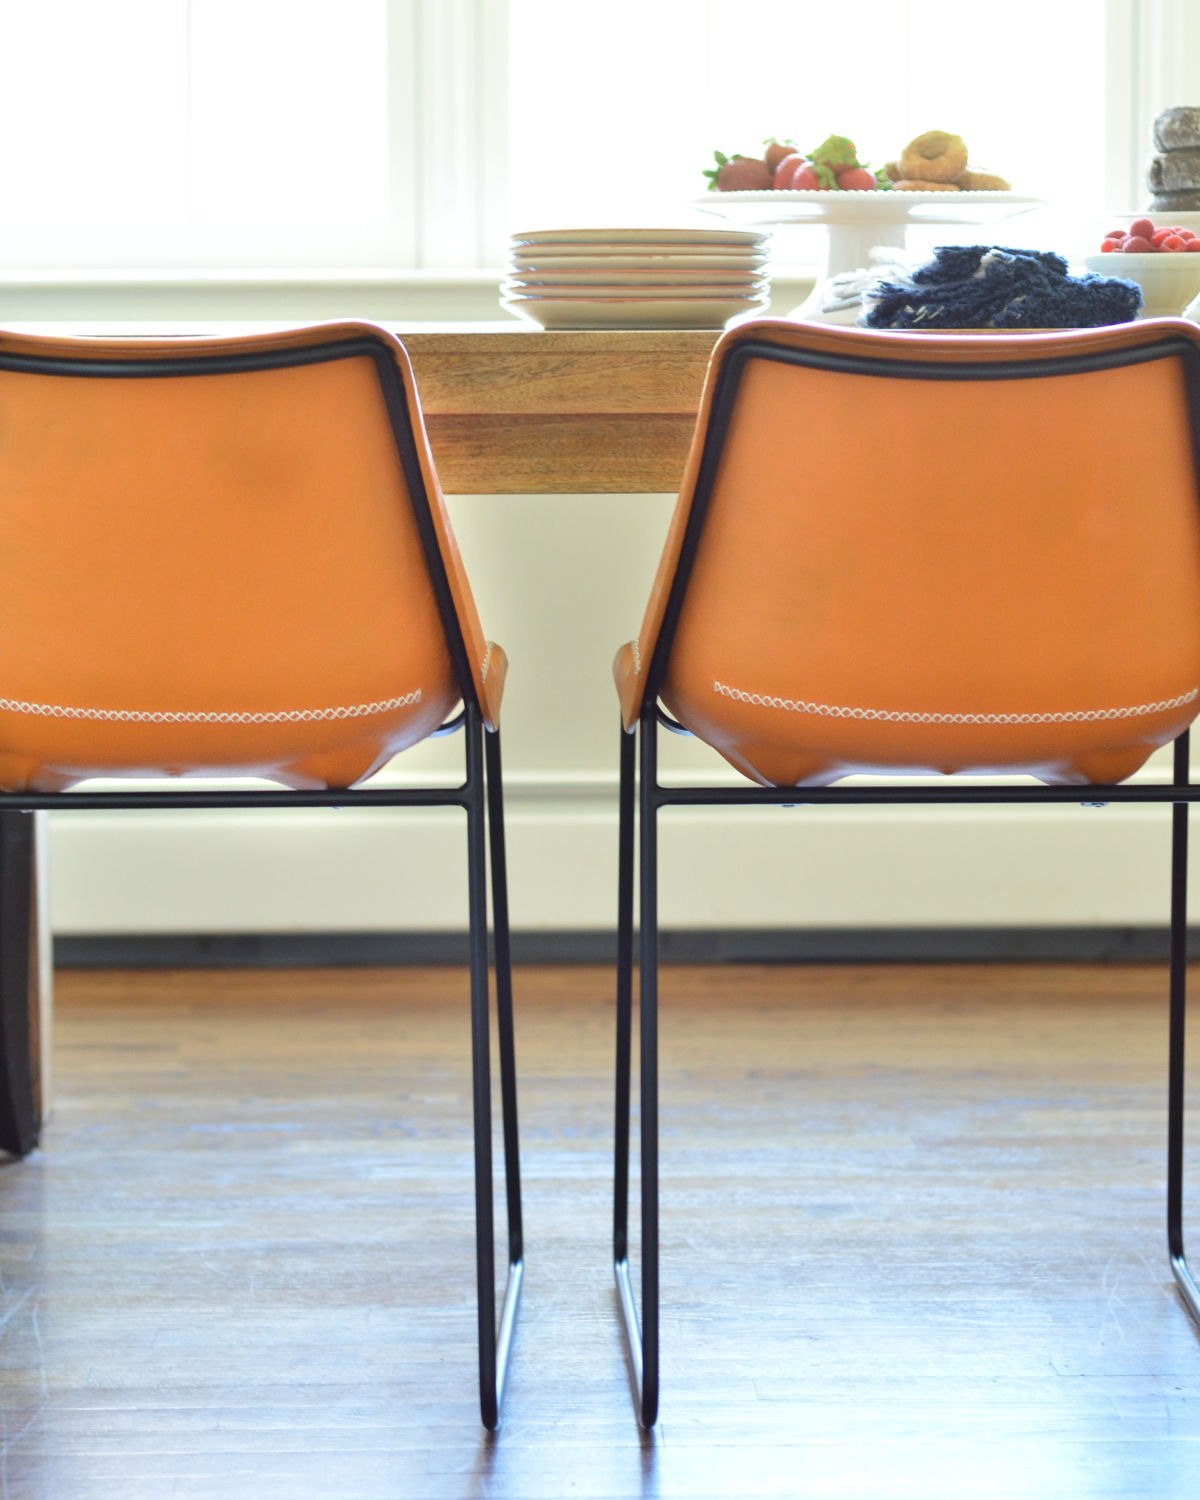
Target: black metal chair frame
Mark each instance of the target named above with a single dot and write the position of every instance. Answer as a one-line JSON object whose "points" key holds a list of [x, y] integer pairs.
{"points": [[641, 797], [480, 795]]}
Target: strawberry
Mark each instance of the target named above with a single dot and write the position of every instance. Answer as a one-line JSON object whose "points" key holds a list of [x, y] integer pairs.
{"points": [[856, 179], [1173, 242], [835, 154], [836, 151], [806, 178], [739, 175], [776, 151], [1137, 244], [1142, 229], [787, 168]]}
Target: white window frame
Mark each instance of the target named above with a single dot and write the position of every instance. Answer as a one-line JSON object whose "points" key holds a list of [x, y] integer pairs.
{"points": [[447, 71], [1153, 63]]}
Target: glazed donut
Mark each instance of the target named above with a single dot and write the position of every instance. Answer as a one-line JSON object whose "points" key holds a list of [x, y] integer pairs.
{"points": [[934, 157], [909, 186]]}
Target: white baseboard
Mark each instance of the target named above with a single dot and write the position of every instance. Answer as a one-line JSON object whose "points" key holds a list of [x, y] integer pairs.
{"points": [[720, 868]]}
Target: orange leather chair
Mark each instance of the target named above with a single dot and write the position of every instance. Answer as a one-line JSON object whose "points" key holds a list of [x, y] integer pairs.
{"points": [[231, 557], [907, 554]]}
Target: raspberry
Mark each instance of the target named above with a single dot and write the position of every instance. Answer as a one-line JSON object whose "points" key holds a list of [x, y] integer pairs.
{"points": [[1137, 244], [1110, 245], [1142, 228], [1185, 234], [1173, 242], [1159, 235], [1192, 245]]}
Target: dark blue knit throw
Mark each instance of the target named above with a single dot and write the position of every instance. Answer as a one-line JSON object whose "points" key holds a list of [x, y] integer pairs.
{"points": [[991, 286]]}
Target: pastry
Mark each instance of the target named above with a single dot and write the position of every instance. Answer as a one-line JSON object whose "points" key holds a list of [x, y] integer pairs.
{"points": [[983, 182], [1187, 201], [1177, 129], [1174, 171], [909, 186], [935, 156]]}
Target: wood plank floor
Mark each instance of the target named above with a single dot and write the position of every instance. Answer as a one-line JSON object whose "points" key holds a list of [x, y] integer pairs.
{"points": [[913, 1242]]}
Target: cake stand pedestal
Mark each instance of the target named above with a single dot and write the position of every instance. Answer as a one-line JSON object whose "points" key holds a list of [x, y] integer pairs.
{"points": [[857, 221]]}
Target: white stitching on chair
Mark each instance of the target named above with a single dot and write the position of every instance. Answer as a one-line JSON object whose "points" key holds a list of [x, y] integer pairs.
{"points": [[146, 716], [895, 716], [486, 663], [637, 659]]}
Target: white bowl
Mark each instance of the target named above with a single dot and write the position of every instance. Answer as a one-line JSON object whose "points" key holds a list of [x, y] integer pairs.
{"points": [[678, 312], [602, 277], [1185, 218], [636, 291], [614, 237], [525, 261], [1169, 280]]}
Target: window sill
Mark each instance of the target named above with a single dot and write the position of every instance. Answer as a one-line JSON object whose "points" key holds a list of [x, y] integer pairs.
{"points": [[233, 295]]}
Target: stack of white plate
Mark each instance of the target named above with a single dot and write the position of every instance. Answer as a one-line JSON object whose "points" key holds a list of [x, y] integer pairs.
{"points": [[636, 278]]}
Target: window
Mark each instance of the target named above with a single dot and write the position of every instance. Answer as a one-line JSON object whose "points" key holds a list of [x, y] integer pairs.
{"points": [[252, 132], [614, 118], [379, 133]]}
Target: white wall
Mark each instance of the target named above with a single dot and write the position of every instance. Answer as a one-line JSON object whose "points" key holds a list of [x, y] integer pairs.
{"points": [[561, 581]]}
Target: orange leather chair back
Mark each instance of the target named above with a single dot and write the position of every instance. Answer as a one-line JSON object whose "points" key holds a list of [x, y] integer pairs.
{"points": [[900, 574], [207, 567]]}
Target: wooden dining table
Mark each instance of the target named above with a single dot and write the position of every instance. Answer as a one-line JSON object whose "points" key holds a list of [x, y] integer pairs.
{"points": [[519, 411]]}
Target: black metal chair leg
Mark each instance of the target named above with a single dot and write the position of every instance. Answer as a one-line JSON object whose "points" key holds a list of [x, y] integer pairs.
{"points": [[19, 1112], [1175, 1104], [625, 848], [648, 1063], [508, 1060], [643, 1343], [481, 1072]]}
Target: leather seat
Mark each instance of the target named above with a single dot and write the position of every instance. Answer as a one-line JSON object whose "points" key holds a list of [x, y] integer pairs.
{"points": [[908, 575], [218, 573]]}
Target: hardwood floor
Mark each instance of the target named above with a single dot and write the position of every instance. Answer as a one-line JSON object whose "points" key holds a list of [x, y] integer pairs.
{"points": [[913, 1242]]}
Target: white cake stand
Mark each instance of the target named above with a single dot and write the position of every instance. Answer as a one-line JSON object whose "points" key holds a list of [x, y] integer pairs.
{"points": [[858, 220]]}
